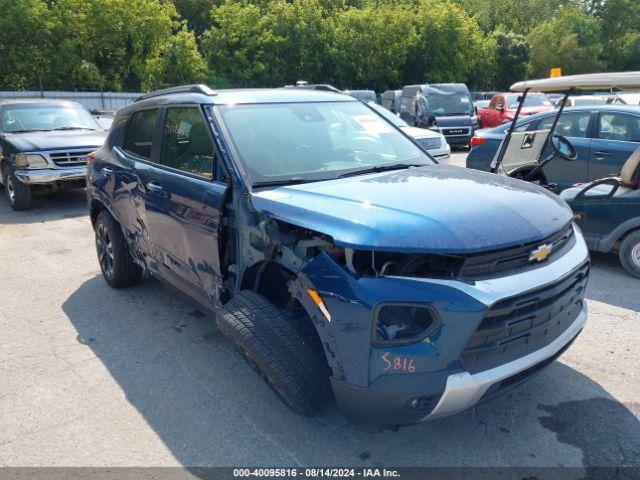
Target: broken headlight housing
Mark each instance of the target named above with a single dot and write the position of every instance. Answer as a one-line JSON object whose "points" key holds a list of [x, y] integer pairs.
{"points": [[402, 323], [30, 160]]}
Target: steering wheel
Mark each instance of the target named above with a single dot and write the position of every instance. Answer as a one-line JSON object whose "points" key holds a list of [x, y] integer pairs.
{"points": [[563, 148]]}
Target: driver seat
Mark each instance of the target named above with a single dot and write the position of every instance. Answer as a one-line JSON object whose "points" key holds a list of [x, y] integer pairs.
{"points": [[630, 174]]}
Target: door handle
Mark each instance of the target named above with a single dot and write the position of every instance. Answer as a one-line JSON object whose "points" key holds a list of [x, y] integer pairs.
{"points": [[156, 189], [106, 171], [600, 153]]}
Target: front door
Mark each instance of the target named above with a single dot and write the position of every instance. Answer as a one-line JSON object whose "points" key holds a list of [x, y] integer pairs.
{"points": [[618, 136], [184, 204]]}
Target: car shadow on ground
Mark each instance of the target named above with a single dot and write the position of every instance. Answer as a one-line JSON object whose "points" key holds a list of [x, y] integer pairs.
{"points": [[210, 409], [68, 203], [608, 278]]}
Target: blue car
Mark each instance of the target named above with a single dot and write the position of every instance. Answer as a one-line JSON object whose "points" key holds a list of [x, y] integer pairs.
{"points": [[604, 137], [336, 255]]}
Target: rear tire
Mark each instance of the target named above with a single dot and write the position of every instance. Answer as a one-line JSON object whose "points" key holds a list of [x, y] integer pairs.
{"points": [[116, 263], [630, 253], [268, 339], [18, 194]]}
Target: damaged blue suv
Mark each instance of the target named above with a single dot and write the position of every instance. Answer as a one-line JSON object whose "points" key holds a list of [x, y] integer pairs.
{"points": [[338, 257]]}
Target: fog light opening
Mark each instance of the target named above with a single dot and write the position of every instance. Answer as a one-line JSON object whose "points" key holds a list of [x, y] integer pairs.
{"points": [[401, 324]]}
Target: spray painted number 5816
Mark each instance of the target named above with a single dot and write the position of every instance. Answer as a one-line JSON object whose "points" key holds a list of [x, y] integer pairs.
{"points": [[394, 362]]}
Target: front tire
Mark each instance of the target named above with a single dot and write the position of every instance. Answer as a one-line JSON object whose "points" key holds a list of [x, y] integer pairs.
{"points": [[116, 263], [18, 194], [269, 341], [630, 253]]}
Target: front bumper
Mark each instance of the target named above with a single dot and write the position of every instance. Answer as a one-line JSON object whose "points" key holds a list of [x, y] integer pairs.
{"points": [[50, 176], [440, 384], [464, 390], [388, 401]]}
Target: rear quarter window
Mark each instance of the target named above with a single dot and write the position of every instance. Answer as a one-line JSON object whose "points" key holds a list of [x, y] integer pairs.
{"points": [[139, 133]]}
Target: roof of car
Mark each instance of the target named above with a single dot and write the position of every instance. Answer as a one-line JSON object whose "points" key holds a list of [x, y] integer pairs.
{"points": [[604, 108], [240, 96], [591, 81], [15, 101]]}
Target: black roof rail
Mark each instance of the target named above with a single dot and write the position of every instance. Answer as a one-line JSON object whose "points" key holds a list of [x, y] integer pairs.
{"points": [[203, 89]]}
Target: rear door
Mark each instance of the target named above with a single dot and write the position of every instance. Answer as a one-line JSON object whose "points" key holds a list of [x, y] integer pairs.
{"points": [[125, 178], [184, 201], [576, 127], [617, 136]]}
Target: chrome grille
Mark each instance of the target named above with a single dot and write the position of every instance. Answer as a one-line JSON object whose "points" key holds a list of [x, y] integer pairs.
{"points": [[69, 158]]}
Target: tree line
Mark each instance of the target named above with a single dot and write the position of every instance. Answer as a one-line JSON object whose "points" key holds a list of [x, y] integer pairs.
{"points": [[133, 45]]}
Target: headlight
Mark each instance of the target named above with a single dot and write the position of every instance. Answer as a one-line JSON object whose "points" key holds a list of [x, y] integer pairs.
{"points": [[430, 143], [401, 324], [30, 160]]}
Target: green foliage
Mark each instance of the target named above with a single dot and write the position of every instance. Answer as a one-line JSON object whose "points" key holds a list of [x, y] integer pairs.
{"points": [[379, 44], [371, 46], [571, 41], [512, 57]]}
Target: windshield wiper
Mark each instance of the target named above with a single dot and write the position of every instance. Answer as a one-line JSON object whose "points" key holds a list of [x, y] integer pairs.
{"points": [[382, 168], [280, 183], [72, 128], [29, 130]]}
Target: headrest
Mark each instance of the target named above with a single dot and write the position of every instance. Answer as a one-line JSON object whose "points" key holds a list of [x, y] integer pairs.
{"points": [[199, 141], [631, 170]]}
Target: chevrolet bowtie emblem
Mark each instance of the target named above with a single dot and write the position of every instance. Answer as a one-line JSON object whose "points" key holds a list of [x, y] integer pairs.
{"points": [[540, 253]]}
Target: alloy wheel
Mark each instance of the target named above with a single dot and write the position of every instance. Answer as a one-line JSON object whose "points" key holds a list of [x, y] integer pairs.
{"points": [[105, 249], [635, 254], [11, 191]]}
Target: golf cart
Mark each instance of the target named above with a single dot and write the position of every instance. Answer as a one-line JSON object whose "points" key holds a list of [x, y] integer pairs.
{"points": [[523, 154], [608, 211]]}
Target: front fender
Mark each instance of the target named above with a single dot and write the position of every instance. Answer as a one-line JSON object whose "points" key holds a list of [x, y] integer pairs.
{"points": [[351, 300]]}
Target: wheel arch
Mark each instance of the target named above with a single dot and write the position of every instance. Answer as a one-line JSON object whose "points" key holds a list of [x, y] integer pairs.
{"points": [[276, 283]]}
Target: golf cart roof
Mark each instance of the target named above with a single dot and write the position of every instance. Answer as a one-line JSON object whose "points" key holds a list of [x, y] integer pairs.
{"points": [[591, 81]]}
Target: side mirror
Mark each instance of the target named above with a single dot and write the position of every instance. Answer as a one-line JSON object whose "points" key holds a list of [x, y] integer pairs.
{"points": [[500, 108]]}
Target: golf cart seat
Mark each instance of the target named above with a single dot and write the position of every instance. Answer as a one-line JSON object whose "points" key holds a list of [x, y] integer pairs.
{"points": [[630, 174], [628, 180]]}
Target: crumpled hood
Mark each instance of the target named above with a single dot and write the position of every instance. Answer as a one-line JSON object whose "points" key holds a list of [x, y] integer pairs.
{"points": [[58, 140], [438, 208]]}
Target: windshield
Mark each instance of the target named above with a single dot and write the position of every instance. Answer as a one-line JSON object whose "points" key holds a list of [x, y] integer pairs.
{"points": [[532, 100], [389, 115], [314, 141], [588, 101], [439, 102], [46, 117]]}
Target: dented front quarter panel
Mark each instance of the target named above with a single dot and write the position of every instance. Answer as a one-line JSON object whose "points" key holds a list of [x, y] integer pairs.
{"points": [[351, 301]]}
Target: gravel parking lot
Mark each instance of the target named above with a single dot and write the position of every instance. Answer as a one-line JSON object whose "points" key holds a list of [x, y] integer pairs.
{"points": [[91, 376]]}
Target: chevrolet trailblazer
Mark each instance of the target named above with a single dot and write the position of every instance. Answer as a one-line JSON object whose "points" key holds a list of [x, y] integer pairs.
{"points": [[335, 254]]}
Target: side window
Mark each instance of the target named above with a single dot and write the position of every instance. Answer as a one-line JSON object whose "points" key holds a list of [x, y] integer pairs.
{"points": [[139, 133], [406, 103], [570, 124], [492, 103], [499, 103], [619, 126], [186, 144]]}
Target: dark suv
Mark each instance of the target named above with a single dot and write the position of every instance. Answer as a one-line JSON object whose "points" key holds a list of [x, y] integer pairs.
{"points": [[44, 146], [335, 253]]}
